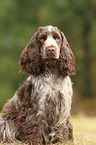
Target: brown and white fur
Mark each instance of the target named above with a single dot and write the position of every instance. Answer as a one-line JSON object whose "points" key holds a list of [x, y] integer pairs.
{"points": [[39, 111]]}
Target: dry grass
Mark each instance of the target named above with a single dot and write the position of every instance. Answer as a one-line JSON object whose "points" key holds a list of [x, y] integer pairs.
{"points": [[84, 130]]}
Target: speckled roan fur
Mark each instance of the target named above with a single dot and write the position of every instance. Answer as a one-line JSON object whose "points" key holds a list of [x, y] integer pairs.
{"points": [[39, 111]]}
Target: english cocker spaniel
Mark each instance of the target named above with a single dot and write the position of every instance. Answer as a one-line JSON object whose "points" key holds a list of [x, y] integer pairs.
{"points": [[39, 111]]}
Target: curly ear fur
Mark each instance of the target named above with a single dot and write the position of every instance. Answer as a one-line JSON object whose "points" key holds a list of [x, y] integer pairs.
{"points": [[30, 60], [66, 63]]}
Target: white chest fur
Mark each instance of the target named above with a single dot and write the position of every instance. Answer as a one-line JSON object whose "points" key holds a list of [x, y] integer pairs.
{"points": [[52, 84]]}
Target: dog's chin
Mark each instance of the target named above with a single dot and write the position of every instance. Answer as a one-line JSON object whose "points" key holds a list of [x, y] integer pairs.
{"points": [[51, 62]]}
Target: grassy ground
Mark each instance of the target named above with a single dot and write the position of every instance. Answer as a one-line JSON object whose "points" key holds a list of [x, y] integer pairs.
{"points": [[84, 130]]}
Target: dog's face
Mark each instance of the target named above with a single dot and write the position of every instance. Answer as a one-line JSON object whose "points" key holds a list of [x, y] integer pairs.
{"points": [[50, 40], [47, 47]]}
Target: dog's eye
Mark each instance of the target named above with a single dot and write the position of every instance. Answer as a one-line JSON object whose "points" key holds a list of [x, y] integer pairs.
{"points": [[56, 37], [42, 37]]}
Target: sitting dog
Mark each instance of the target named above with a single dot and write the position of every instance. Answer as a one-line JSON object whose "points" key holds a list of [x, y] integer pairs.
{"points": [[39, 112]]}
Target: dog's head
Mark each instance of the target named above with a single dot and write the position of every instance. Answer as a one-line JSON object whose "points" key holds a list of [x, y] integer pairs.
{"points": [[47, 48]]}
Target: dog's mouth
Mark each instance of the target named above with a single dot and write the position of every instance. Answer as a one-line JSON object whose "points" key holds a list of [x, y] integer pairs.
{"points": [[50, 61], [50, 56]]}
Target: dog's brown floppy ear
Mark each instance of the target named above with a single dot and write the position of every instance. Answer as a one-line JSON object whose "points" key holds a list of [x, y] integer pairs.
{"points": [[64, 40], [66, 63], [30, 60]]}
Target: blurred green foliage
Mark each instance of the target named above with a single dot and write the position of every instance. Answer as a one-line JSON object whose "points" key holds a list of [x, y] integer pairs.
{"points": [[19, 19]]}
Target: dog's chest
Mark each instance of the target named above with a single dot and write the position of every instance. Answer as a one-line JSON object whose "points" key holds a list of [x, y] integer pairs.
{"points": [[48, 90], [54, 95]]}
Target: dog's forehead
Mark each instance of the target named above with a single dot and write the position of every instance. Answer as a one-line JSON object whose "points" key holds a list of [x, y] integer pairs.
{"points": [[49, 29]]}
